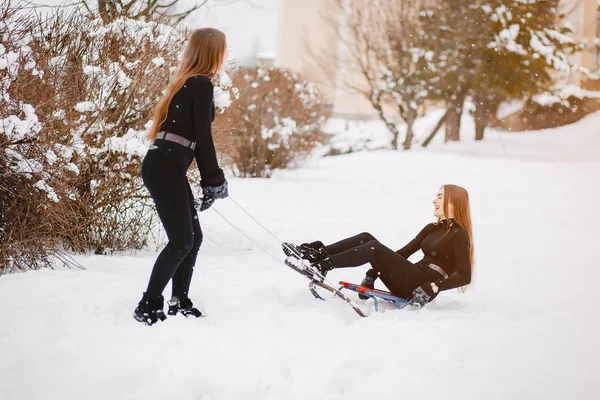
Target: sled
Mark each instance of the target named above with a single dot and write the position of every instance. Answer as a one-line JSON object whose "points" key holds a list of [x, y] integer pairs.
{"points": [[375, 294]]}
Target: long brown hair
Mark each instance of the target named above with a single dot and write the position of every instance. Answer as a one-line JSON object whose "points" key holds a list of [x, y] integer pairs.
{"points": [[203, 55], [459, 197]]}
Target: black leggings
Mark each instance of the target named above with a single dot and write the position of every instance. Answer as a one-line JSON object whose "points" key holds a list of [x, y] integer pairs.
{"points": [[397, 273], [164, 174]]}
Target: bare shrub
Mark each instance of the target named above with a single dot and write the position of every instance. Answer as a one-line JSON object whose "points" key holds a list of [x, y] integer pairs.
{"points": [[276, 121]]}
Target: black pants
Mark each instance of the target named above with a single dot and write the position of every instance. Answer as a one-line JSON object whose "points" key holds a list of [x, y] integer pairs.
{"points": [[397, 273], [164, 174]]}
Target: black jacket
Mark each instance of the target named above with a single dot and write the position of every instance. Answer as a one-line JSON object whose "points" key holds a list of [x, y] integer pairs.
{"points": [[190, 115], [447, 247]]}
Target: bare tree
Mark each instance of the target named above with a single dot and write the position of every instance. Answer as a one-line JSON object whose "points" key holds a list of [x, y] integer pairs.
{"points": [[381, 57], [109, 10]]}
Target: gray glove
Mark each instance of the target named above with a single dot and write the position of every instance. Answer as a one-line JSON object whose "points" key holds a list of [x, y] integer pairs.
{"points": [[424, 293], [210, 194]]}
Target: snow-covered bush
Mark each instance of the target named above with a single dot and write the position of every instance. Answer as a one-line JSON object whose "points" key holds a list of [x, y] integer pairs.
{"points": [[34, 168], [276, 121], [561, 105], [77, 95], [348, 136]]}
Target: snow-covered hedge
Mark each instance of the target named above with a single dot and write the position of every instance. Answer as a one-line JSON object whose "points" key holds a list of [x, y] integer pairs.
{"points": [[77, 96]]}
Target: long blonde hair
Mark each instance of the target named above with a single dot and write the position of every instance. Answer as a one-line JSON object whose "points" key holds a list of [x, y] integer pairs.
{"points": [[459, 197], [203, 55]]}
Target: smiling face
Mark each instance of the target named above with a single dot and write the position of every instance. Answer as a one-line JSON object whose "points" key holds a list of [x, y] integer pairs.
{"points": [[438, 206]]}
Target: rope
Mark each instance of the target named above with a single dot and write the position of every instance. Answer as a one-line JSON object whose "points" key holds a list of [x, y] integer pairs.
{"points": [[262, 226], [247, 237], [292, 249]]}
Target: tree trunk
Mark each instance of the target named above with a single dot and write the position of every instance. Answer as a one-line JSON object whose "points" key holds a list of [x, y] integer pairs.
{"points": [[395, 139], [410, 121], [435, 130], [483, 111], [453, 117], [481, 119], [376, 103], [409, 134]]}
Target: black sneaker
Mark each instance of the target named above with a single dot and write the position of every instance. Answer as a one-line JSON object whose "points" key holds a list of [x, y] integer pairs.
{"points": [[150, 310], [367, 282], [305, 251], [323, 265], [184, 306]]}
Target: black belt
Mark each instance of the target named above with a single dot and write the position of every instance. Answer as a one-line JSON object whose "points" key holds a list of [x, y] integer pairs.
{"points": [[175, 138]]}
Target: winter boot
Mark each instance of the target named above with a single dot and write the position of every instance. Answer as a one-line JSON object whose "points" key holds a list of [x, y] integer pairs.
{"points": [[367, 282], [184, 306], [323, 265], [150, 310], [306, 251]]}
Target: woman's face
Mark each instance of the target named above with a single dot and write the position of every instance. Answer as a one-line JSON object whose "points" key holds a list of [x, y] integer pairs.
{"points": [[438, 204]]}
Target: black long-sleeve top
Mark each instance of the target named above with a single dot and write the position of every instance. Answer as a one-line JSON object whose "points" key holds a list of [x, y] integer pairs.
{"points": [[446, 248], [190, 115]]}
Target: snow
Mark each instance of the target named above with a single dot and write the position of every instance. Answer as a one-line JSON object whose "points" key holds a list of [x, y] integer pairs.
{"points": [[132, 143], [561, 94], [16, 128], [51, 157], [560, 37], [357, 135], [509, 108], [526, 329], [224, 92], [85, 106], [555, 95], [507, 39], [41, 185], [158, 61], [138, 30]]}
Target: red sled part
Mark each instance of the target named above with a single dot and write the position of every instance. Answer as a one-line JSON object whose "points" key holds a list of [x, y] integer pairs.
{"points": [[375, 294]]}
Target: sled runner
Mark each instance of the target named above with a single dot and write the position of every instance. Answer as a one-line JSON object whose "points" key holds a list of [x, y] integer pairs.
{"points": [[316, 281]]}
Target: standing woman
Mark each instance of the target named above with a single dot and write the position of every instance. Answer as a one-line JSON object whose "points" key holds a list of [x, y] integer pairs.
{"points": [[182, 132]]}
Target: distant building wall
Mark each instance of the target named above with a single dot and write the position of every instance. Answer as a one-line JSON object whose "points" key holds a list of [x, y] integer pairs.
{"points": [[309, 43], [584, 18]]}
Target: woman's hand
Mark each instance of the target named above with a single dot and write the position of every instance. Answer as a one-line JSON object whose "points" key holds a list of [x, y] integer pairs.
{"points": [[210, 194]]}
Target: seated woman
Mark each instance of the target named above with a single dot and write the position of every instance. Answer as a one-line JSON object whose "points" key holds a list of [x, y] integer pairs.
{"points": [[446, 244]]}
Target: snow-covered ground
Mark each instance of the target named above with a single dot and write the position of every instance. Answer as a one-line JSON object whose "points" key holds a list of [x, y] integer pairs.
{"points": [[528, 328]]}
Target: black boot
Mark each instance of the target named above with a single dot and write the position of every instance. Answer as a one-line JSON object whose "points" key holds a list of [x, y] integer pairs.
{"points": [[367, 282], [306, 251], [323, 265], [150, 310], [184, 306]]}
